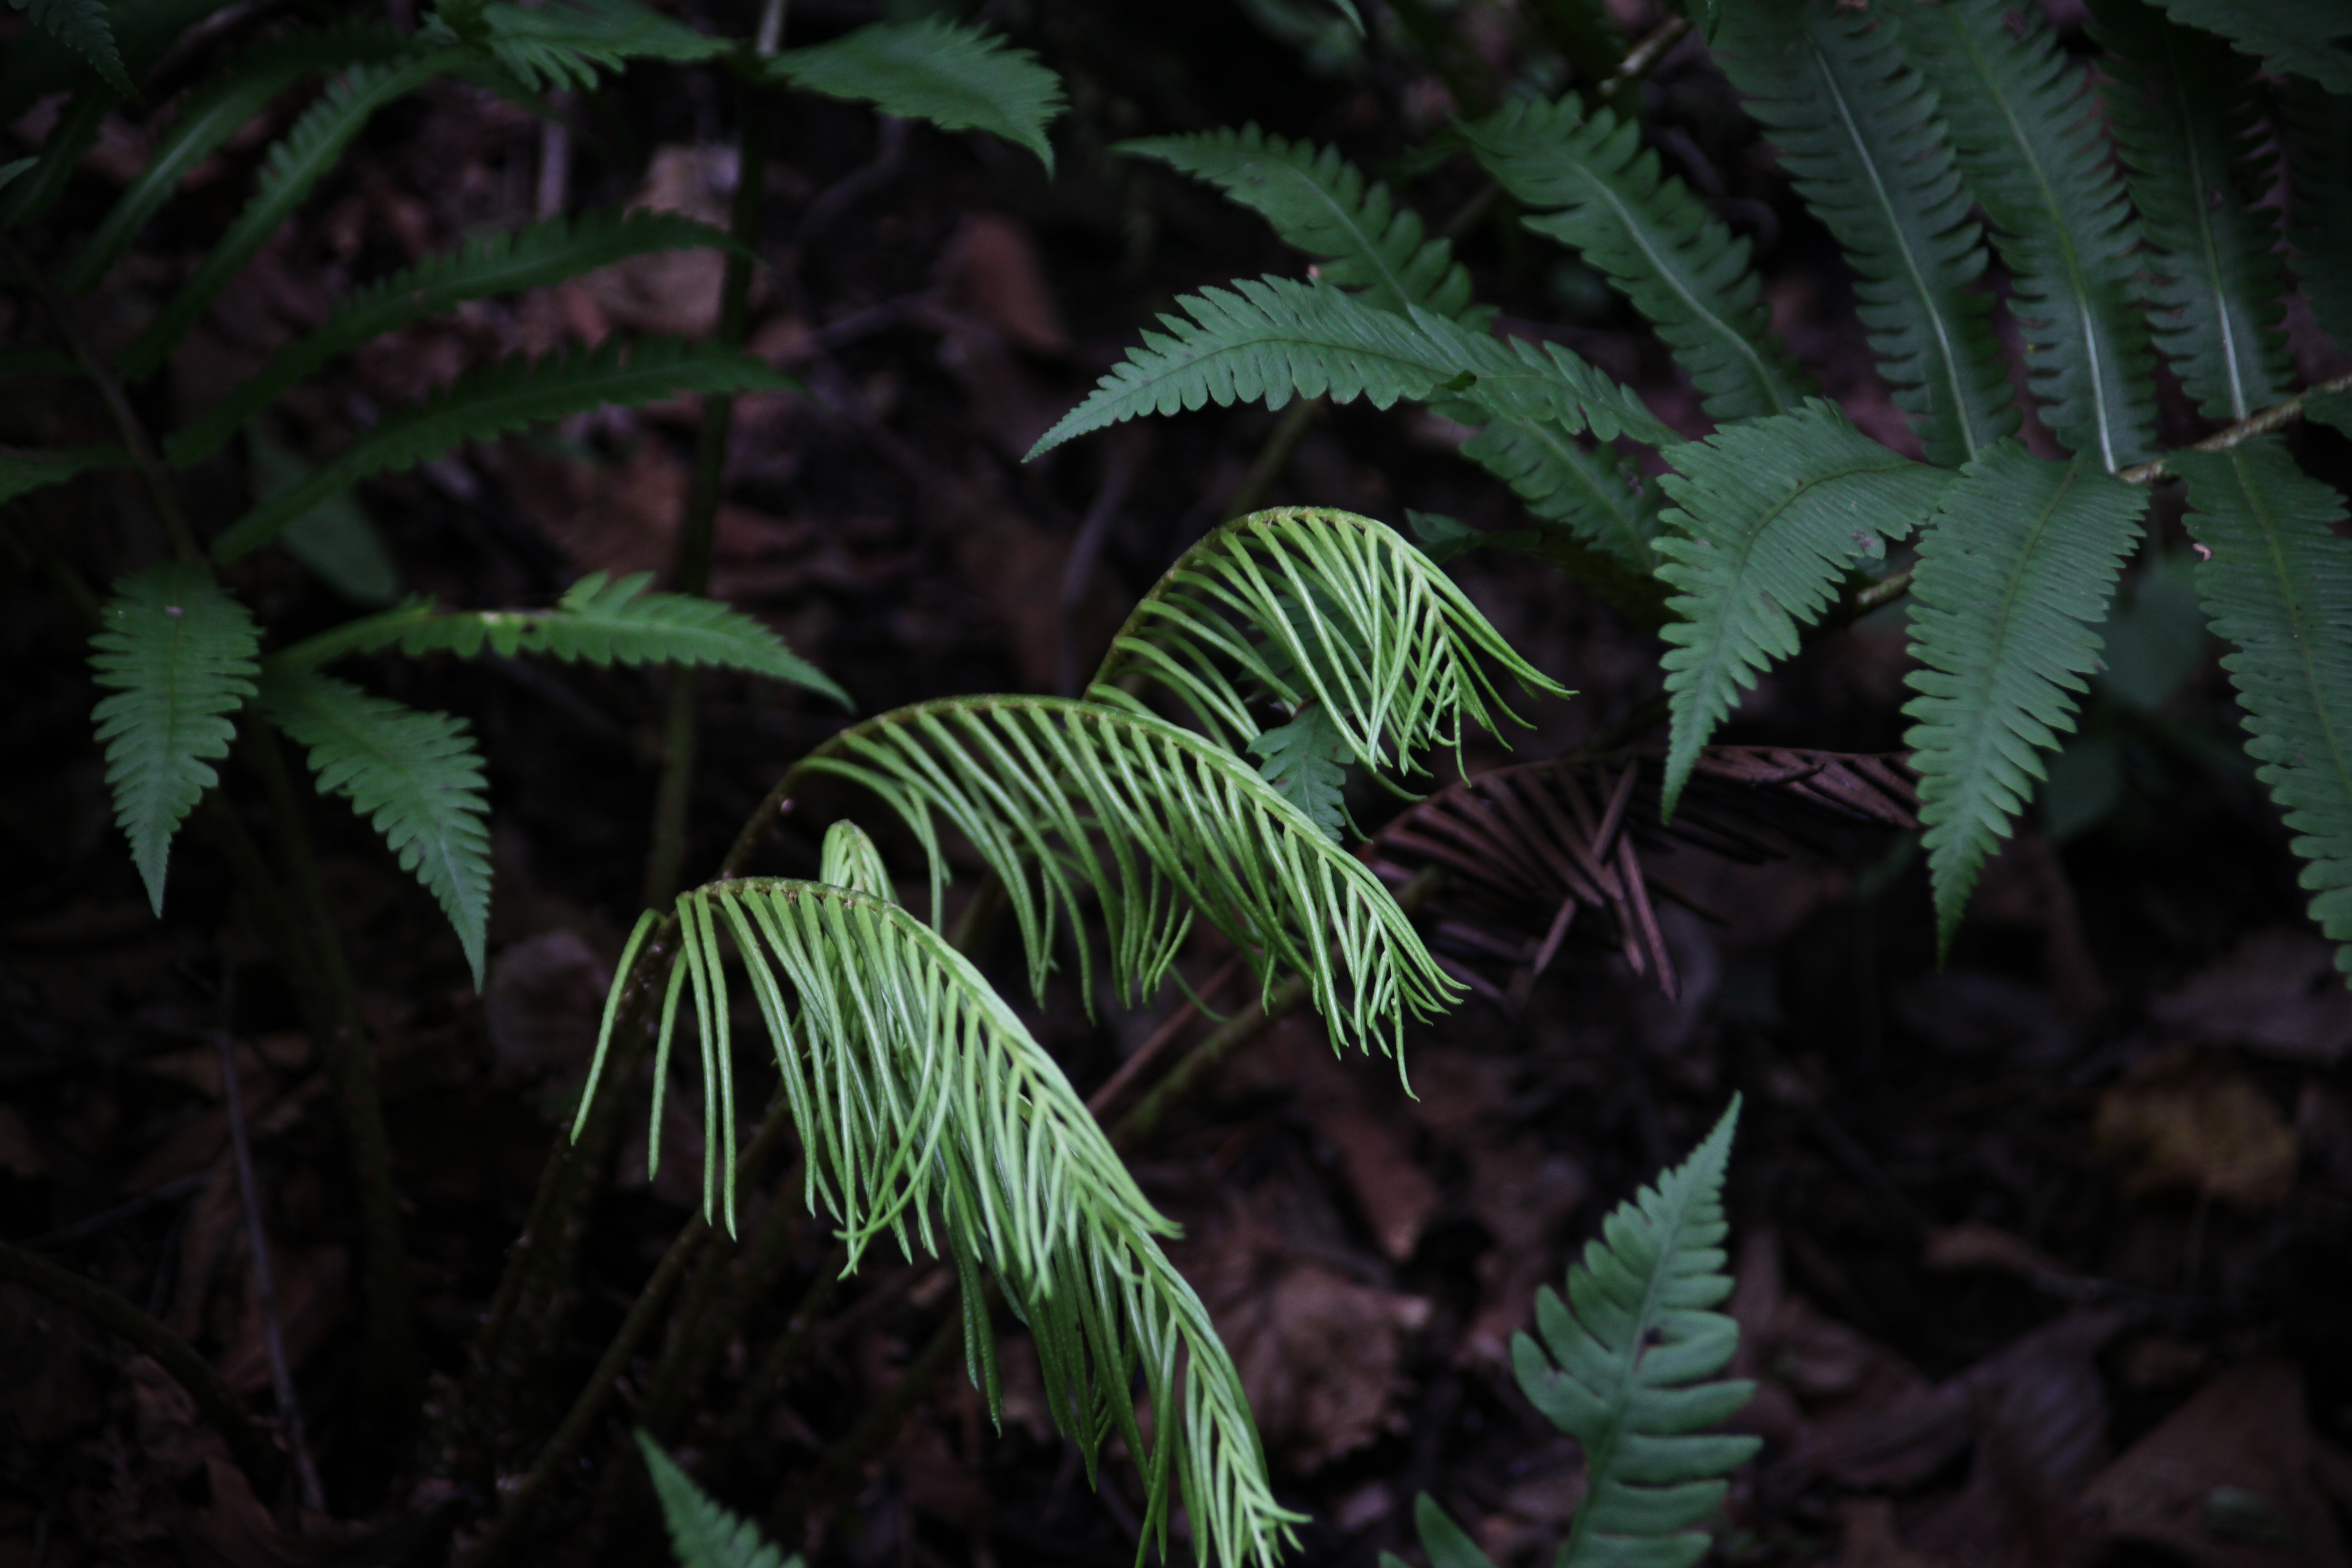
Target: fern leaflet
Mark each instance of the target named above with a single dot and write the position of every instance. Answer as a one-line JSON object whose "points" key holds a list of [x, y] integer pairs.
{"points": [[701, 1533], [178, 654], [1601, 193], [2012, 585], [2306, 38], [851, 860], [415, 776], [1771, 514], [506, 396], [1562, 481], [533, 258], [956, 76], [1367, 242], [26, 469], [2279, 587], [1306, 761], [81, 27], [567, 43], [2319, 163], [1863, 138], [2184, 114]]}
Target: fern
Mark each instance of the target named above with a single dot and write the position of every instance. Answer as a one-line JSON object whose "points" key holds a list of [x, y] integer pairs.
{"points": [[2184, 114], [2011, 587], [850, 860], [30, 196], [597, 620], [415, 776], [1306, 761], [1772, 514], [929, 1113], [1301, 606], [1317, 202], [1601, 193], [702, 1534], [178, 653], [567, 43], [81, 25], [1585, 488], [1862, 137], [956, 76], [2306, 38], [2319, 146], [1627, 1357], [1066, 799], [2279, 587], [534, 257], [24, 470], [506, 396]]}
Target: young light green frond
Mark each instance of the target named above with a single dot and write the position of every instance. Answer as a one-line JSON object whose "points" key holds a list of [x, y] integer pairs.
{"points": [[597, 620], [296, 163], [506, 396], [1862, 136], [567, 43], [1306, 761], [415, 776], [1064, 800], [1770, 515], [1366, 240], [1304, 606], [850, 860], [701, 1533], [2279, 587], [1563, 480], [178, 654], [534, 257], [2301, 37], [2011, 587], [929, 1114], [2185, 115], [954, 75], [2319, 224], [81, 25], [212, 115], [2019, 114], [1599, 191], [26, 469]]}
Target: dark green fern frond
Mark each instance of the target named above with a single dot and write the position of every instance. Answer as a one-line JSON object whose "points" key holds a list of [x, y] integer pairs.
{"points": [[1074, 805], [506, 396], [2011, 587], [26, 469], [1563, 481], [929, 1115], [597, 620], [2319, 226], [1770, 515], [2279, 587], [701, 1533], [178, 654], [957, 76], [82, 27], [534, 257], [1862, 136], [1300, 606], [1600, 191], [2185, 115], [568, 43], [290, 169], [1306, 761], [415, 776], [2301, 37], [1366, 240]]}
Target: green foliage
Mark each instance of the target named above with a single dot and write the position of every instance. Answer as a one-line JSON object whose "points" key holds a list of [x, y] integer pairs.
{"points": [[1601, 193], [1862, 136], [1584, 489], [1770, 515], [415, 776], [929, 1114], [2012, 584], [23, 470], [81, 25], [702, 1534], [334, 539], [506, 396], [566, 43], [851, 860], [2279, 587], [2306, 38], [2319, 166], [2020, 116], [1623, 1368], [178, 654], [956, 76], [1306, 761]]}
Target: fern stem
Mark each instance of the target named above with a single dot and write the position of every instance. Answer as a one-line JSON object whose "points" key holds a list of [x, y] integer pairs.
{"points": [[1652, 48]]}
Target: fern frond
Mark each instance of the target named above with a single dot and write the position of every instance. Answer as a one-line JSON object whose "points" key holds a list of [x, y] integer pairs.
{"points": [[1862, 136], [957, 76], [567, 43], [1276, 339], [179, 655], [2011, 588], [2279, 587], [81, 25], [23, 469], [1563, 481], [415, 776], [851, 860], [1302, 605], [291, 167], [1770, 515], [31, 195], [535, 258], [597, 620], [2319, 226], [1066, 799], [931, 1115], [1366, 240], [701, 1533], [1306, 761], [2301, 37], [506, 396], [1600, 192], [2185, 115]]}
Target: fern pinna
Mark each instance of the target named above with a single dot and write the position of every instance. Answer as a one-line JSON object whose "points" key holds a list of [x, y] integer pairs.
{"points": [[1897, 124]]}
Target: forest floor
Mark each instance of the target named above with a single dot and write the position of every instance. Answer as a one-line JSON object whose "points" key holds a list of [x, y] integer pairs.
{"points": [[2044, 1253]]}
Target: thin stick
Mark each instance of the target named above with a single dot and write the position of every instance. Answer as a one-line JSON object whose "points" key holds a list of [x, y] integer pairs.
{"points": [[1147, 1054], [1645, 54]]}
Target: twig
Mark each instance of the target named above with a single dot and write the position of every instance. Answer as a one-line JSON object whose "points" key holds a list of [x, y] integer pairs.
{"points": [[1646, 54], [1146, 1056]]}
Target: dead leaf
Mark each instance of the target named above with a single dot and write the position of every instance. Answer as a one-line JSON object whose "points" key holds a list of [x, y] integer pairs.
{"points": [[991, 269], [673, 291], [2279, 994], [1974, 1246], [1396, 1199], [1870, 1539], [1523, 1195], [2185, 1121]]}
